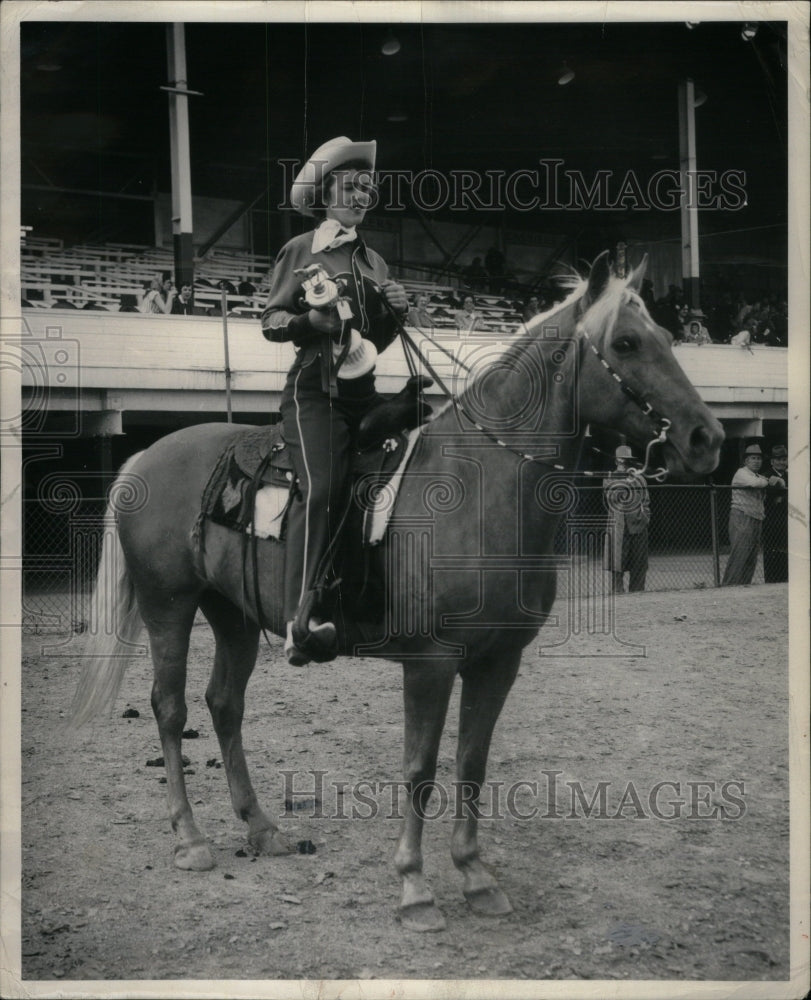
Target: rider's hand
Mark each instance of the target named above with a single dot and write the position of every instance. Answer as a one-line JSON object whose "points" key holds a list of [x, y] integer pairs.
{"points": [[395, 295], [325, 321]]}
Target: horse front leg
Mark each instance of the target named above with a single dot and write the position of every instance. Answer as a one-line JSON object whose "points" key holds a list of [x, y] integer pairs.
{"points": [[169, 619], [427, 688], [484, 690], [237, 643]]}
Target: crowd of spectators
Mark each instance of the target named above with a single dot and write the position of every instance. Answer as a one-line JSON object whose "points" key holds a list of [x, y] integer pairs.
{"points": [[731, 318]]}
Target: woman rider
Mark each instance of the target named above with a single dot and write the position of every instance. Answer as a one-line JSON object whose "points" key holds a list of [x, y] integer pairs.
{"points": [[320, 409]]}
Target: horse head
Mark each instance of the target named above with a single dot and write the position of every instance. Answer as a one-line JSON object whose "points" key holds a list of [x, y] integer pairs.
{"points": [[630, 380]]}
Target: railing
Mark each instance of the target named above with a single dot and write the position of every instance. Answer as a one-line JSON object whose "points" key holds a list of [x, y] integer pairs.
{"points": [[687, 546]]}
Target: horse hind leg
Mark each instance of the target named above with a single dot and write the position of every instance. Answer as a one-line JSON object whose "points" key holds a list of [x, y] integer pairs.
{"points": [[169, 632], [237, 644], [484, 690], [427, 687]]}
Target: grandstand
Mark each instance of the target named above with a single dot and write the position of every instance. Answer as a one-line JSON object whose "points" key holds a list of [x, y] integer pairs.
{"points": [[112, 278]]}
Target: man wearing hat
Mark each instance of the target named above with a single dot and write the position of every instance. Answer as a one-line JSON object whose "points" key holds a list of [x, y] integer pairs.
{"points": [[746, 517], [626, 543], [321, 410], [775, 520]]}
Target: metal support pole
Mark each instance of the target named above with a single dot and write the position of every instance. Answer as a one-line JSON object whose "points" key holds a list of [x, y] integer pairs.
{"points": [[181, 159], [716, 561], [689, 193], [227, 358]]}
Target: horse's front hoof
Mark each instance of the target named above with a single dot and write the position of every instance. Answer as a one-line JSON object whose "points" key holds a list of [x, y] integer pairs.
{"points": [[489, 902], [422, 917], [270, 843], [193, 858]]}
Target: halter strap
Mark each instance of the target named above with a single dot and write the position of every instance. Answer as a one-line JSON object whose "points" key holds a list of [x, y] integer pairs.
{"points": [[662, 423]]}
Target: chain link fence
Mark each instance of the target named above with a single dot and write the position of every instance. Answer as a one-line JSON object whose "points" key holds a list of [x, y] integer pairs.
{"points": [[687, 548]]}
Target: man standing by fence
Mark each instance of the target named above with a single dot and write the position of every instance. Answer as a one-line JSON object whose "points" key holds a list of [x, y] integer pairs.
{"points": [[775, 520], [626, 543], [746, 517]]}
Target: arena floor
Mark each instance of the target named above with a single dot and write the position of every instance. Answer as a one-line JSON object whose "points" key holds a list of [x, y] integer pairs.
{"points": [[686, 688]]}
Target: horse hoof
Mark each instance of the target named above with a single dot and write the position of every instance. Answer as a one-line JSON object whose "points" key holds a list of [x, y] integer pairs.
{"points": [[489, 902], [270, 843], [193, 858], [423, 917]]}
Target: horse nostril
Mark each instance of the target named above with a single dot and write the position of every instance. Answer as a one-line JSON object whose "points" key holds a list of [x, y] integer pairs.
{"points": [[703, 438]]}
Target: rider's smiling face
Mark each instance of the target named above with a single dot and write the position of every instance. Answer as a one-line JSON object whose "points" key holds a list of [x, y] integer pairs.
{"points": [[348, 195]]}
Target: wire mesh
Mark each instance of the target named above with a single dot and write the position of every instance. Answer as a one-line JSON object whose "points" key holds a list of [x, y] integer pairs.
{"points": [[688, 545]]}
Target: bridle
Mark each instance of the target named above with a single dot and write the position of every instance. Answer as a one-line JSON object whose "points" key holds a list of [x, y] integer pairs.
{"points": [[661, 423]]}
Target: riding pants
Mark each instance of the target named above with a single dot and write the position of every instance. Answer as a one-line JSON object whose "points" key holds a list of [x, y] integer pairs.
{"points": [[319, 433]]}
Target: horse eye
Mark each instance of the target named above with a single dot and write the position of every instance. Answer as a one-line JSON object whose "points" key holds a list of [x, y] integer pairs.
{"points": [[624, 345]]}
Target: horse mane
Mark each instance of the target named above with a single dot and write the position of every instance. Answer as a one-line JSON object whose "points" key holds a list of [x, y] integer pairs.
{"points": [[598, 317]]}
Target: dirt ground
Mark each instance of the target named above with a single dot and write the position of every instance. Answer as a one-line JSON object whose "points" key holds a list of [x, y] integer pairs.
{"points": [[690, 883]]}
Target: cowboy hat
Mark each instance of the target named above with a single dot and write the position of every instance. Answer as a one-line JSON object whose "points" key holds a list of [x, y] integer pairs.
{"points": [[623, 452], [307, 186], [753, 449], [779, 451]]}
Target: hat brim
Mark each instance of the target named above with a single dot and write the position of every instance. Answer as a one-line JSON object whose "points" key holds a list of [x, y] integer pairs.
{"points": [[308, 184]]}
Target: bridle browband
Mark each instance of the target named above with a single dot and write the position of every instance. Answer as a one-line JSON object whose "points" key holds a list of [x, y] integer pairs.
{"points": [[661, 423]]}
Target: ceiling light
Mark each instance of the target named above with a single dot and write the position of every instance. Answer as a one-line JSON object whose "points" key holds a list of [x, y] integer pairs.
{"points": [[391, 45], [748, 31], [565, 75], [397, 116]]}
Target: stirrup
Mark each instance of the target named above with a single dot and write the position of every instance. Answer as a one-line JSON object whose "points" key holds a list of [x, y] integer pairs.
{"points": [[319, 642]]}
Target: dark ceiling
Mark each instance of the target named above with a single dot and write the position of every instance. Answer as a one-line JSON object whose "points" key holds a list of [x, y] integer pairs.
{"points": [[473, 96]]}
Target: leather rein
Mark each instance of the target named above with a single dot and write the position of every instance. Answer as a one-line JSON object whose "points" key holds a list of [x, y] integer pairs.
{"points": [[661, 423]]}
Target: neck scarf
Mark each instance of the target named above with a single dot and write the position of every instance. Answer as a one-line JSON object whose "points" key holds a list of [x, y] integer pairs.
{"points": [[331, 234]]}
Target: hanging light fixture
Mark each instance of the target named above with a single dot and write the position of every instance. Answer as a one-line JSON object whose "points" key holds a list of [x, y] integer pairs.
{"points": [[565, 75], [748, 31], [391, 44]]}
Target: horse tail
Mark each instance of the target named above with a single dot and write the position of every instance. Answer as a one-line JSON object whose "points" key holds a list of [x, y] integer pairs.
{"points": [[115, 623]]}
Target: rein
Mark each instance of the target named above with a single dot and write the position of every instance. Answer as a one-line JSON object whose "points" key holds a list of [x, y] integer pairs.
{"points": [[662, 423]]}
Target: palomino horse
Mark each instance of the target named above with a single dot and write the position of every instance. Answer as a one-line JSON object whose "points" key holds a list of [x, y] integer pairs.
{"points": [[476, 478]]}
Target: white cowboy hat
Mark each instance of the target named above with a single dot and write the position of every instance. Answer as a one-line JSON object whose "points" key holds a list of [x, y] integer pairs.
{"points": [[307, 186], [623, 452]]}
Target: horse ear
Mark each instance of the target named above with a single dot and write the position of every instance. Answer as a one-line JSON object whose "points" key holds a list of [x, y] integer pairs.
{"points": [[599, 275], [635, 281]]}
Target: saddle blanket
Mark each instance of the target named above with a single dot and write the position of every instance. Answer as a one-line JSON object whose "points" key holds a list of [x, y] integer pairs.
{"points": [[253, 483]]}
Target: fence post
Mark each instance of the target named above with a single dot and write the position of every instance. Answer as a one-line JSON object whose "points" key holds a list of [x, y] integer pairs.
{"points": [[716, 562]]}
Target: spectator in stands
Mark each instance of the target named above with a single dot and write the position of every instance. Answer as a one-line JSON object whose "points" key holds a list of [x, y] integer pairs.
{"points": [[647, 296], [321, 409], [694, 332], [475, 275], [746, 517], [532, 308], [626, 544], [246, 287], [669, 311], [775, 519], [467, 318], [419, 316], [494, 263], [183, 304], [159, 297]]}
